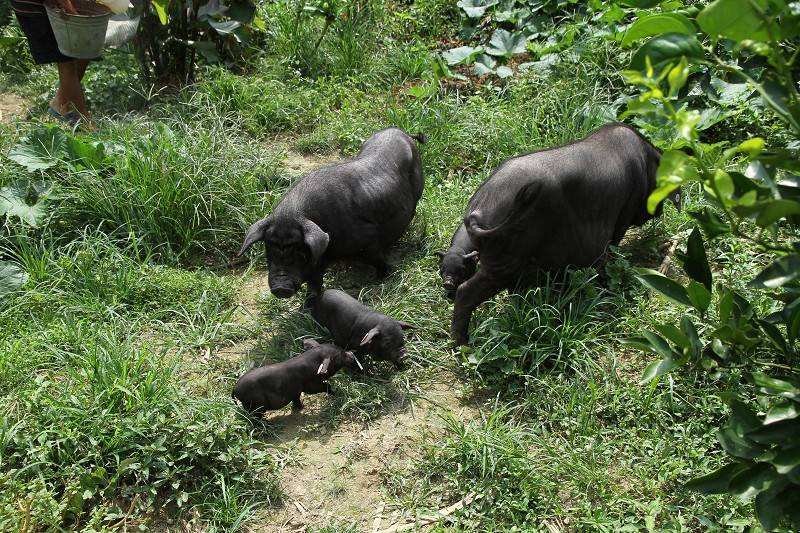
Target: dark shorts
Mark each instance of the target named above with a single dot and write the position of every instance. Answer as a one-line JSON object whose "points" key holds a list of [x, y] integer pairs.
{"points": [[33, 20]]}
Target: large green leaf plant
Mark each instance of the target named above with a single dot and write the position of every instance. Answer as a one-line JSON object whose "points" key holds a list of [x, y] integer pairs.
{"points": [[753, 194]]}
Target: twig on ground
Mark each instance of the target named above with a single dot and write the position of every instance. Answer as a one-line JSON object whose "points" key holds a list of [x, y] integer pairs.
{"points": [[428, 520]]}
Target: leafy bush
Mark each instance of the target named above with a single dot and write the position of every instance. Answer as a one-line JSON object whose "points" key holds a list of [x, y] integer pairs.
{"points": [[173, 33], [723, 331]]}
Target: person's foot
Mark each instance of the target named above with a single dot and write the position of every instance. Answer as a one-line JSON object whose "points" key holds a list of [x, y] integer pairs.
{"points": [[63, 107]]}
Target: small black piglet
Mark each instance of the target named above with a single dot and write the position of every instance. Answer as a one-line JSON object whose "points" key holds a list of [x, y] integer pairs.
{"points": [[356, 326], [275, 386]]}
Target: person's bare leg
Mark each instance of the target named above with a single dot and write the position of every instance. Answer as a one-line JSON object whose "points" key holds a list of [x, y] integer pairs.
{"points": [[69, 96]]}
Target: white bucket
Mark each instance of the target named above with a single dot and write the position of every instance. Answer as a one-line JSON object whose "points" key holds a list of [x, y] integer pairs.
{"points": [[79, 36]]}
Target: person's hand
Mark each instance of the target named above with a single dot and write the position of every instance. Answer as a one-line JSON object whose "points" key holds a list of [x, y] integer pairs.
{"points": [[67, 6]]}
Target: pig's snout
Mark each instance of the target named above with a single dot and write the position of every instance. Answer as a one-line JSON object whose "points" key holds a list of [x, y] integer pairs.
{"points": [[283, 287], [449, 283]]}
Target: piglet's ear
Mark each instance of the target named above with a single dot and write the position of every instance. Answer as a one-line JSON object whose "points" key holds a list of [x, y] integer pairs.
{"points": [[254, 234], [316, 239], [441, 254], [406, 325], [309, 344], [323, 368], [371, 334]]}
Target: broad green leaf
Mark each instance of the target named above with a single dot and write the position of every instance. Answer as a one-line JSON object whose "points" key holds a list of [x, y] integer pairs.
{"points": [[786, 460], [504, 72], [212, 8], [674, 334], [748, 483], [776, 386], [665, 286], [26, 201], [738, 446], [689, 329], [207, 49], [695, 261], [769, 507], [779, 273], [782, 411], [737, 20], [462, 55], [783, 431], [677, 78], [12, 277], [658, 24], [475, 8], [743, 419], [775, 210], [505, 44], [224, 27], [699, 296], [161, 8], [659, 344], [710, 222], [716, 482], [657, 368], [775, 335], [41, 149], [674, 169], [665, 49]]}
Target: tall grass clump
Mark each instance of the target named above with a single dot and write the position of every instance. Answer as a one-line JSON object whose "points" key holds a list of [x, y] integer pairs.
{"points": [[561, 323], [180, 189], [486, 461], [110, 438]]}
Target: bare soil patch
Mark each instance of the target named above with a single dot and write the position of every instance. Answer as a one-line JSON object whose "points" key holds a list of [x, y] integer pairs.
{"points": [[11, 106], [304, 163], [335, 474]]}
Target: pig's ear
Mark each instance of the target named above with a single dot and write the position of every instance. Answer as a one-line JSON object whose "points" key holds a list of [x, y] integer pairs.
{"points": [[441, 254], [406, 325], [323, 367], [309, 344], [472, 255], [371, 334], [676, 198], [316, 239], [254, 234]]}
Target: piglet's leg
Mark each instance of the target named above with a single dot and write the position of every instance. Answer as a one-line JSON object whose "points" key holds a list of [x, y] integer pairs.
{"points": [[469, 296]]}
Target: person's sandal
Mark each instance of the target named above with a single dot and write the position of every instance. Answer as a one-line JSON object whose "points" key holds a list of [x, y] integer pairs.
{"points": [[71, 118]]}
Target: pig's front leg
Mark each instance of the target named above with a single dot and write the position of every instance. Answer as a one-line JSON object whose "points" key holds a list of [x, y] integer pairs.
{"points": [[297, 405], [469, 296]]}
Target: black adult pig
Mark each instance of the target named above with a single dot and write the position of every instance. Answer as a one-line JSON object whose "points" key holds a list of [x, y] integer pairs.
{"points": [[275, 386], [356, 326], [354, 209], [554, 208], [459, 263]]}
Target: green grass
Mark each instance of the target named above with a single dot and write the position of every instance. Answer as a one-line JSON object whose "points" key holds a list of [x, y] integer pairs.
{"points": [[118, 355]]}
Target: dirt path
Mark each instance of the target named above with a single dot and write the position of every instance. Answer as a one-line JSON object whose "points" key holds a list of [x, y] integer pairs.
{"points": [[335, 475], [11, 106]]}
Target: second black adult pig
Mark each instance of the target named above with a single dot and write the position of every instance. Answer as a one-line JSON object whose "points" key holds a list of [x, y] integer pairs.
{"points": [[459, 262], [355, 326], [275, 386], [354, 209], [555, 208]]}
